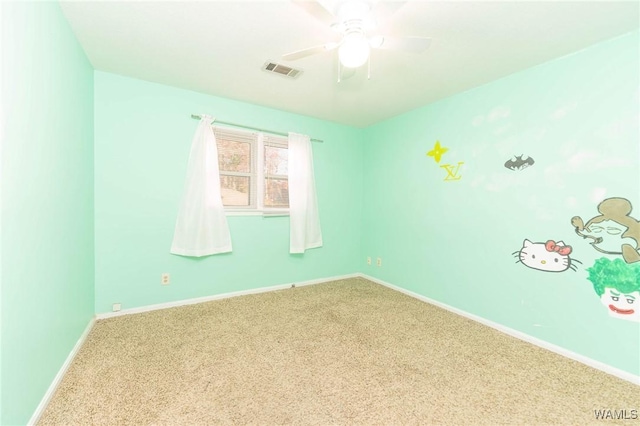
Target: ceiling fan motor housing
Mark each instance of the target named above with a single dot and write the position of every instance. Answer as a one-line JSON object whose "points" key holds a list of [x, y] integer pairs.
{"points": [[354, 48]]}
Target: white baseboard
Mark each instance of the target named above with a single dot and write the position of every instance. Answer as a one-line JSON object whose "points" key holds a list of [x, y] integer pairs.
{"points": [[56, 381], [193, 301], [517, 334], [511, 332]]}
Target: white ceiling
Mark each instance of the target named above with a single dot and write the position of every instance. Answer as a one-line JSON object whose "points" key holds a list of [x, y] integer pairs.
{"points": [[219, 47]]}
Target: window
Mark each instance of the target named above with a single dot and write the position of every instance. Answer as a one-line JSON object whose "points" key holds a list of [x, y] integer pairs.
{"points": [[253, 170], [276, 173]]}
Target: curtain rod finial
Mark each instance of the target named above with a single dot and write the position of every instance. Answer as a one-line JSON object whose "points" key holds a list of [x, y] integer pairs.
{"points": [[203, 116]]}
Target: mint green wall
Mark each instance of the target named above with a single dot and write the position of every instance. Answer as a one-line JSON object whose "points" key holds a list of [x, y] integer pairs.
{"points": [[379, 196], [452, 240], [47, 201], [143, 134]]}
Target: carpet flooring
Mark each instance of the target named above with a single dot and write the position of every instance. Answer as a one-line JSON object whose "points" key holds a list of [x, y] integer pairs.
{"points": [[341, 352]]}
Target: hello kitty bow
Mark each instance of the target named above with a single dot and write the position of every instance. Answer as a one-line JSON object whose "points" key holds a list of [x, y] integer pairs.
{"points": [[552, 246]]}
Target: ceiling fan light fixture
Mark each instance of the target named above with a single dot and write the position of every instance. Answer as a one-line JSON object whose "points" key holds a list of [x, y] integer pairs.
{"points": [[354, 50], [376, 41]]}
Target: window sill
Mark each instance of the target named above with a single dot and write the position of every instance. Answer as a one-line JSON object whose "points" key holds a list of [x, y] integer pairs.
{"points": [[263, 213]]}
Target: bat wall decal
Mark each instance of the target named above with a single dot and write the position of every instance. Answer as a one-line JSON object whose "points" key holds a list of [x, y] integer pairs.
{"points": [[518, 163]]}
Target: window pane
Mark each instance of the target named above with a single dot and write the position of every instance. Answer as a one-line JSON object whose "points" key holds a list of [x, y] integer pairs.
{"points": [[276, 192], [234, 156], [235, 190], [276, 160]]}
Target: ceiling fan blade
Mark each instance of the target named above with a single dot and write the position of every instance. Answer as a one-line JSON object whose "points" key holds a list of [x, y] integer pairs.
{"points": [[299, 54], [405, 44], [383, 10], [316, 10]]}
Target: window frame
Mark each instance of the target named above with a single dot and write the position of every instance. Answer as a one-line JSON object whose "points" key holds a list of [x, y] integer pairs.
{"points": [[257, 176], [278, 142]]}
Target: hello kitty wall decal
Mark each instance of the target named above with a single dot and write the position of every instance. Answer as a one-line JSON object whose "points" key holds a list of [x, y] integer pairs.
{"points": [[549, 256], [453, 170], [613, 232]]}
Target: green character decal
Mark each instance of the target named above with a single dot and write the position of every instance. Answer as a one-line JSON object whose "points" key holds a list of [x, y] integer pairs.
{"points": [[618, 285]]}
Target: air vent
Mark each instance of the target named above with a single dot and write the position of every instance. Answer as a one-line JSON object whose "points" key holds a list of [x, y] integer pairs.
{"points": [[281, 69]]}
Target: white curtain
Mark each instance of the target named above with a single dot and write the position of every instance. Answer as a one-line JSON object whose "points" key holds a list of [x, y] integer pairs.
{"points": [[303, 202], [201, 227]]}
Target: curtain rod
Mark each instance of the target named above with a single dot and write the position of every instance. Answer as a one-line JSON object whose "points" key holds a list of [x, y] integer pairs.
{"points": [[198, 117]]}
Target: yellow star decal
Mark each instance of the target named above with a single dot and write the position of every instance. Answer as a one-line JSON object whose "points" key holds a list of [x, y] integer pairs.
{"points": [[437, 151]]}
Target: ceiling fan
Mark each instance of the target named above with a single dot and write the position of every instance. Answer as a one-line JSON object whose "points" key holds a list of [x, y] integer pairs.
{"points": [[354, 20]]}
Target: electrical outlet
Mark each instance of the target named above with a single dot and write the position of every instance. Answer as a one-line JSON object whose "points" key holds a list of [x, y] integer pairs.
{"points": [[117, 307], [165, 279], [368, 260], [379, 261]]}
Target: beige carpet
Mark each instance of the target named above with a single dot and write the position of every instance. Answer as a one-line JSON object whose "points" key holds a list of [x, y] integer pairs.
{"points": [[343, 352]]}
